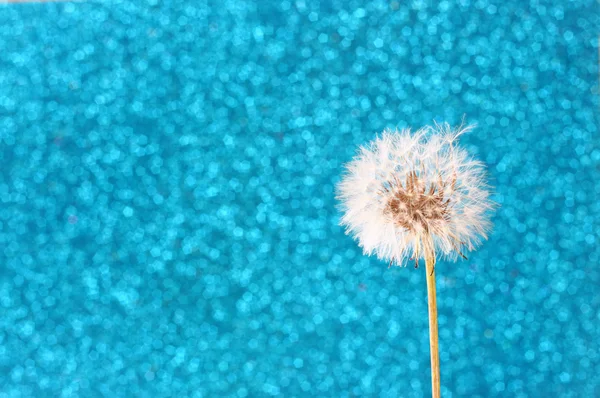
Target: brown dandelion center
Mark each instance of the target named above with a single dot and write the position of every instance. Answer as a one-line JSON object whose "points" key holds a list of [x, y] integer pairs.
{"points": [[413, 204]]}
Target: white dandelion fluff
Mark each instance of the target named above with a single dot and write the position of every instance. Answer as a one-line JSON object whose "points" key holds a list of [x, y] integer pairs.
{"points": [[415, 195]]}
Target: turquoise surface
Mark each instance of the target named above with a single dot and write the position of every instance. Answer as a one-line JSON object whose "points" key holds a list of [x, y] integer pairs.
{"points": [[168, 226]]}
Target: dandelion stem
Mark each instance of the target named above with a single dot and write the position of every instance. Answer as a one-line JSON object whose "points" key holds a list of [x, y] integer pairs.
{"points": [[433, 326]]}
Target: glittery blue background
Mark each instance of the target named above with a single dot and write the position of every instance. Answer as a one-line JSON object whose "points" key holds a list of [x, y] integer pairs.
{"points": [[168, 224]]}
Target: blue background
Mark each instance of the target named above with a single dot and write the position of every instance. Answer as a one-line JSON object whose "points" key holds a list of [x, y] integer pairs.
{"points": [[168, 224]]}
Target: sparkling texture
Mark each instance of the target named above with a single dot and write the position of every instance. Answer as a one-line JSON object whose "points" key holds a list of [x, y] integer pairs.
{"points": [[168, 222]]}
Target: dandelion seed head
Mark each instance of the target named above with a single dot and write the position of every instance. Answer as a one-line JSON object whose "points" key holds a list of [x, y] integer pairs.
{"points": [[409, 195]]}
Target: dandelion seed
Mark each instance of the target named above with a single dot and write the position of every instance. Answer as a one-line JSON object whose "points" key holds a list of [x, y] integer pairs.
{"points": [[414, 195]]}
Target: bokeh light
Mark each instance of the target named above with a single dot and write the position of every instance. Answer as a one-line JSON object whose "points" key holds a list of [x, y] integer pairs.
{"points": [[168, 224]]}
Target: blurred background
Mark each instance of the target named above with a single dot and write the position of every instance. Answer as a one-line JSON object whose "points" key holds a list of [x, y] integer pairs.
{"points": [[168, 224]]}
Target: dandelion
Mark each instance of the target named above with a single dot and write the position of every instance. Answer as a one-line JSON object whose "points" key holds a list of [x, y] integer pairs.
{"points": [[411, 196]]}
